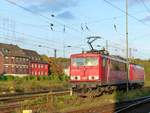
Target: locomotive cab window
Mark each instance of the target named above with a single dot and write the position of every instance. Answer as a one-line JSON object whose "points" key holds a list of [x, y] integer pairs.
{"points": [[77, 61], [89, 61]]}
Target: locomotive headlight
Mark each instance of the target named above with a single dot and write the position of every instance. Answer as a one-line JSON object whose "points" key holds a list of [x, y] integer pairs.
{"points": [[94, 77], [72, 77], [75, 77]]}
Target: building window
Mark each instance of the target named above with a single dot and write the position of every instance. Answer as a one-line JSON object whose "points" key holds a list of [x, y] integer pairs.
{"points": [[20, 59], [5, 50], [41, 72], [45, 73], [12, 59], [32, 65], [35, 65], [46, 66], [41, 65], [35, 73], [17, 59], [6, 58], [24, 59], [32, 58], [6, 68]]}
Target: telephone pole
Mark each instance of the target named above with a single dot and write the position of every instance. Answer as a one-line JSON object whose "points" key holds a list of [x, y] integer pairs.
{"points": [[55, 53], [127, 88]]}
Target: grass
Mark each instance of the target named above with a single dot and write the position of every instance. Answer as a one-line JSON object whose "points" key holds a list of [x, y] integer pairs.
{"points": [[29, 84], [69, 103], [66, 103]]}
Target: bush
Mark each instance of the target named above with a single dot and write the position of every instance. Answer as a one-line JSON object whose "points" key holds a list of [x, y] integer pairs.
{"points": [[3, 78]]}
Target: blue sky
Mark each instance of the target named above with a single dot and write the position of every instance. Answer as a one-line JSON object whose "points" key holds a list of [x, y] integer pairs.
{"points": [[29, 30]]}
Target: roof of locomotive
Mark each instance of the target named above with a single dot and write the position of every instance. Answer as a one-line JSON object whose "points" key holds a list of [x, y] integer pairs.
{"points": [[93, 54], [137, 65], [85, 55]]}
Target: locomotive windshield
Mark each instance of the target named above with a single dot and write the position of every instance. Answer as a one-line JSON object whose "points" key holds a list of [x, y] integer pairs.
{"points": [[84, 61]]}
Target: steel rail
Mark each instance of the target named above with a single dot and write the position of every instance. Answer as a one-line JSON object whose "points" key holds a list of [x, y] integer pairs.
{"points": [[15, 101], [33, 95], [142, 100]]}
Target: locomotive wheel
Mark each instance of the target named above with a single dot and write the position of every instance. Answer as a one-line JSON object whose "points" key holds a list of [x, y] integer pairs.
{"points": [[111, 90], [94, 92], [99, 92], [82, 93], [89, 92], [108, 90]]}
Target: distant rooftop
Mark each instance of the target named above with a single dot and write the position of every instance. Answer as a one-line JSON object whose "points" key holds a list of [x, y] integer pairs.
{"points": [[11, 50]]}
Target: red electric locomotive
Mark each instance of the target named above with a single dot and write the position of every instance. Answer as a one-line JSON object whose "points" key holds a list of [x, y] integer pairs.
{"points": [[96, 72], [103, 73]]}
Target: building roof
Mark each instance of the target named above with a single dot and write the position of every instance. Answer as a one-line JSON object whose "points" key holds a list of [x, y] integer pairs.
{"points": [[11, 50], [33, 55], [39, 62]]}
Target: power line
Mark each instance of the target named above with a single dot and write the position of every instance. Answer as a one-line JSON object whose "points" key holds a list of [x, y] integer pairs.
{"points": [[53, 43], [148, 10], [36, 37], [33, 43], [45, 17], [39, 27], [28, 10], [114, 6]]}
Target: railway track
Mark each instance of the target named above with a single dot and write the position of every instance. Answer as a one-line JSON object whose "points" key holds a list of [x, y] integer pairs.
{"points": [[120, 107], [134, 104], [10, 102], [22, 96]]}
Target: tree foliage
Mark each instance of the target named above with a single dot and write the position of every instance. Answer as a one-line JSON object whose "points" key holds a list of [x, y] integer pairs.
{"points": [[55, 64], [144, 63]]}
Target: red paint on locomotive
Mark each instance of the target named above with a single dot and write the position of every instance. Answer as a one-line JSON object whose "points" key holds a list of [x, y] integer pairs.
{"points": [[136, 73]]}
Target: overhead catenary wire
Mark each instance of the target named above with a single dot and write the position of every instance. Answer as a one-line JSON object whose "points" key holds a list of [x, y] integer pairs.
{"points": [[147, 8], [43, 27], [131, 16], [45, 17], [41, 40], [33, 43], [29, 11], [125, 12], [36, 37]]}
